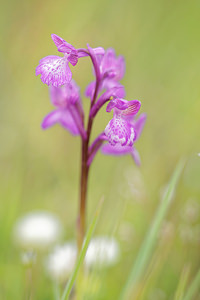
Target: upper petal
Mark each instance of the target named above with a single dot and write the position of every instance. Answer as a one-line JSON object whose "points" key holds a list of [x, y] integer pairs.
{"points": [[132, 109], [61, 44], [108, 61], [124, 107], [120, 104], [54, 70]]}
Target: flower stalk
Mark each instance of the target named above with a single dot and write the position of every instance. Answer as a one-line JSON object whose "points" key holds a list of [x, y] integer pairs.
{"points": [[84, 163]]}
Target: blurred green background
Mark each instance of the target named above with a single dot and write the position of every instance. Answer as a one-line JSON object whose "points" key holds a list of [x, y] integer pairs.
{"points": [[40, 169]]}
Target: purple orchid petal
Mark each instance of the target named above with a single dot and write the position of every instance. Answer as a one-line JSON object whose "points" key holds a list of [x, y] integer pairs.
{"points": [[68, 122], [73, 92], [89, 92], [127, 108], [133, 108], [108, 61], [111, 66], [62, 117], [135, 155], [57, 96], [73, 58], [61, 44], [77, 119], [111, 83], [51, 119], [121, 104], [120, 131], [121, 68], [64, 95], [116, 149], [97, 51], [119, 150], [113, 92], [67, 98], [139, 124], [54, 70]]}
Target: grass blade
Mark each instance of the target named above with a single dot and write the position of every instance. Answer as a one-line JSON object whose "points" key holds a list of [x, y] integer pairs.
{"points": [[81, 257], [148, 245], [182, 283], [194, 288]]}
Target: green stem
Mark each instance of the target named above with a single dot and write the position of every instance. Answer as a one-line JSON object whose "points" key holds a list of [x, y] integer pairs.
{"points": [[194, 288]]}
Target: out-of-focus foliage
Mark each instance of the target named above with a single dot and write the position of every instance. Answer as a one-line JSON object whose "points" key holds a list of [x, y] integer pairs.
{"points": [[40, 170]]}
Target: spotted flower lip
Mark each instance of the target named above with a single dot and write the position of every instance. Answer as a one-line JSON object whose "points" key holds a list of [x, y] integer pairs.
{"points": [[119, 131], [55, 70], [118, 149]]}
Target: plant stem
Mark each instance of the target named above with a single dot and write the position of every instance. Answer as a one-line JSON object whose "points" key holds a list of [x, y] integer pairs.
{"points": [[84, 161], [83, 194]]}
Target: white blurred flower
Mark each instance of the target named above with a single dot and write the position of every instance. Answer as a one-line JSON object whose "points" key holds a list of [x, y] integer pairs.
{"points": [[102, 251], [61, 261], [37, 231]]}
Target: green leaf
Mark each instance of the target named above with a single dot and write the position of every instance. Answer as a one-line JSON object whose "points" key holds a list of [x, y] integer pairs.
{"points": [[194, 287], [147, 247], [182, 283]]}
